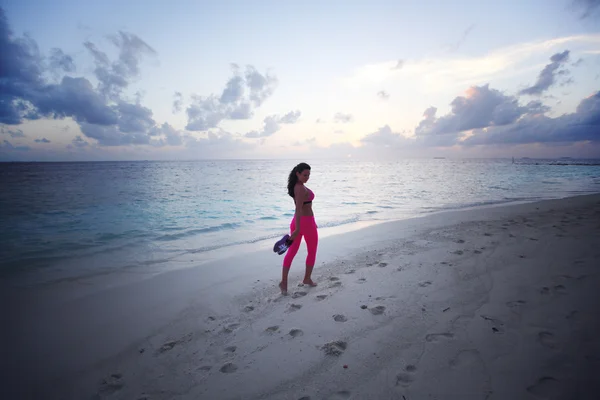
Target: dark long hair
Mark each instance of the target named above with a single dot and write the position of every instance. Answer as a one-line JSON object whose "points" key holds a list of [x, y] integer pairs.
{"points": [[293, 179]]}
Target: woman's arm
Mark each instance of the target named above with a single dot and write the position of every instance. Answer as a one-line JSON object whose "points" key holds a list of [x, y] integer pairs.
{"points": [[299, 194]]}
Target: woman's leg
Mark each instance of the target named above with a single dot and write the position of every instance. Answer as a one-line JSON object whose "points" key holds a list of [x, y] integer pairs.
{"points": [[289, 257], [311, 237]]}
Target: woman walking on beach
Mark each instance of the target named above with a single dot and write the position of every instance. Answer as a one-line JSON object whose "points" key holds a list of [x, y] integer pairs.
{"points": [[302, 226]]}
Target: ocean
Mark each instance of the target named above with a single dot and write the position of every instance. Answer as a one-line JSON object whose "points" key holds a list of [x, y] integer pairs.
{"points": [[66, 220]]}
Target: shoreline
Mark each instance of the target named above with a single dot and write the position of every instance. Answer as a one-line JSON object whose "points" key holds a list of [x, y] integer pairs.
{"points": [[65, 338], [145, 270]]}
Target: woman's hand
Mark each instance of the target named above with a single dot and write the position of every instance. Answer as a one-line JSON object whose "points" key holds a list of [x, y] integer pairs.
{"points": [[294, 234]]}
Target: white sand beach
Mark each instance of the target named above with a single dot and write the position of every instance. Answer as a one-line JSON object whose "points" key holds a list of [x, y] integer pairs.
{"points": [[494, 303]]}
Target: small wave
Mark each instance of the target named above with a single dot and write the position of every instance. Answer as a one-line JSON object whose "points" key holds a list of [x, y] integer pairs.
{"points": [[193, 232], [268, 218], [372, 212]]}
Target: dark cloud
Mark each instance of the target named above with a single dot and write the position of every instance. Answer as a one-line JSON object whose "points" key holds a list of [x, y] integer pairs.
{"points": [[101, 112], [42, 140], [62, 61], [547, 77], [383, 95], [582, 125], [73, 97], [242, 94], [178, 102], [342, 118], [481, 107], [587, 7], [272, 124]]}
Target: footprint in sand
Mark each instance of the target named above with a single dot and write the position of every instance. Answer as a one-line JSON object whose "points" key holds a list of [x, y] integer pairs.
{"points": [[230, 328], [459, 241], [546, 387], [477, 251], [248, 308], [296, 332], [362, 280], [205, 368], [458, 252], [464, 358], [487, 234], [405, 378], [334, 348], [335, 284], [515, 305], [231, 349], [547, 339], [228, 368], [298, 294], [378, 310], [272, 329], [334, 279], [560, 289], [340, 318], [321, 297], [111, 384], [425, 284], [294, 307], [350, 272], [573, 315], [435, 337], [497, 325], [168, 346], [382, 264]]}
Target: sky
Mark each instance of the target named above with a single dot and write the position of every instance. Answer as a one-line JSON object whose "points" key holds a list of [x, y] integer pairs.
{"points": [[183, 79]]}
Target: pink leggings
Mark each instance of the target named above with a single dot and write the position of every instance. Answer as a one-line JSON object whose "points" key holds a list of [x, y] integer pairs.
{"points": [[308, 230]]}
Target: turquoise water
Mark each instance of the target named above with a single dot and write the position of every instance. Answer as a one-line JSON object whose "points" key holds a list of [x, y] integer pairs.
{"points": [[95, 216]]}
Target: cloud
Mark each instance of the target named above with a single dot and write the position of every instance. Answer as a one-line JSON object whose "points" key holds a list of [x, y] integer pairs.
{"points": [[234, 103], [587, 7], [60, 60], [581, 125], [385, 137], [43, 140], [399, 64], [458, 70], [480, 107], [342, 118], [17, 133], [6, 145], [178, 102], [272, 124], [291, 117], [102, 112], [383, 95], [79, 142], [454, 47], [114, 77], [547, 77]]}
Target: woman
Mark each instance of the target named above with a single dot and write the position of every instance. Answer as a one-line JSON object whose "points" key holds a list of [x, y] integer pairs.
{"points": [[302, 226]]}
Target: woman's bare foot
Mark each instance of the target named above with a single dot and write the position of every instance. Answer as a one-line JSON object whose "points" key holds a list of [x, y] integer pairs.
{"points": [[309, 282], [283, 288]]}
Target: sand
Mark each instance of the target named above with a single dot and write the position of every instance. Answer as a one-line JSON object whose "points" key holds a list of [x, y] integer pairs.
{"points": [[494, 303]]}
